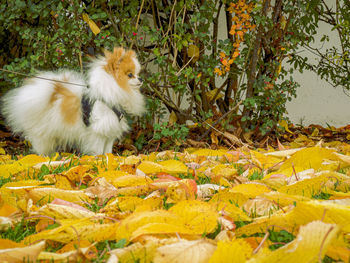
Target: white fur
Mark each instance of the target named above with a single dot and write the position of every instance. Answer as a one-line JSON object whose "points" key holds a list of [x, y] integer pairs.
{"points": [[28, 110]]}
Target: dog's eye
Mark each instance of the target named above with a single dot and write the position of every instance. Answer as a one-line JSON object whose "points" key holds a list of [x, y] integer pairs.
{"points": [[130, 75]]}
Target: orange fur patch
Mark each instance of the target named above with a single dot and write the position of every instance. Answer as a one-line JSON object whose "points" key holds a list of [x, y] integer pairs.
{"points": [[119, 64], [70, 103]]}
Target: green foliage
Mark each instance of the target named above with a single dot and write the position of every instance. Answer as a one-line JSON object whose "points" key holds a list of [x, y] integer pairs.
{"points": [[172, 132], [322, 196], [257, 176], [280, 238], [279, 34], [4, 180], [333, 62]]}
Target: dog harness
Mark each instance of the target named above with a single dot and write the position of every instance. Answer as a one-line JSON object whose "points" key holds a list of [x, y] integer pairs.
{"points": [[86, 106]]}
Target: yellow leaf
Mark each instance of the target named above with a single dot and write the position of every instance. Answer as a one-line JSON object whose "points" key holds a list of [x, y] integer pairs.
{"points": [[133, 203], [174, 167], [129, 180], [234, 251], [113, 174], [7, 210], [193, 51], [310, 245], [307, 158], [214, 138], [313, 186], [339, 252], [315, 132], [76, 173], [2, 151], [282, 199], [211, 94], [179, 190], [283, 153], [20, 254], [47, 194], [63, 212], [229, 197], [76, 229], [234, 212], [200, 217], [169, 166], [162, 229], [224, 182], [198, 251], [137, 220], [62, 182], [264, 162], [260, 224], [7, 170], [284, 124], [250, 189], [141, 252], [14, 193], [70, 256], [260, 206], [227, 171], [172, 118], [303, 213], [94, 28], [150, 167], [328, 211]]}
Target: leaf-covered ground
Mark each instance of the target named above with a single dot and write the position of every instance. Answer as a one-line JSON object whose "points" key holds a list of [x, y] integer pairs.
{"points": [[290, 204]]}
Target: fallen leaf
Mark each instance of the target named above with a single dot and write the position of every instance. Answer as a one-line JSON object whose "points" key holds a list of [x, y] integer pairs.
{"points": [[20, 253], [185, 251], [310, 245]]}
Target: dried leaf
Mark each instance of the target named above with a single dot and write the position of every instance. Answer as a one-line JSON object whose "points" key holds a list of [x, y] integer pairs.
{"points": [[94, 28], [309, 246], [185, 251], [20, 253]]}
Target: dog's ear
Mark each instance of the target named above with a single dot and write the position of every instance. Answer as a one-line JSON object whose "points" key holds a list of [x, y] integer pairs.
{"points": [[130, 53], [118, 52]]}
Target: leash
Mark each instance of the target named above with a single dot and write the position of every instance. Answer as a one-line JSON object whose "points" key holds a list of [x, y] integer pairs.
{"points": [[85, 102], [33, 76]]}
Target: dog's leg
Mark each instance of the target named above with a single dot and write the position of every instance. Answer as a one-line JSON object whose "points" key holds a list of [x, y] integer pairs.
{"points": [[43, 146], [94, 144], [108, 148]]}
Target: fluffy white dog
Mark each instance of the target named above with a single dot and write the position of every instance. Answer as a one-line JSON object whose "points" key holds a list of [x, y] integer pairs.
{"points": [[89, 116]]}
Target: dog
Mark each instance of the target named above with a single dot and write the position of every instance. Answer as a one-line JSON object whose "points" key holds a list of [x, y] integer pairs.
{"points": [[65, 110]]}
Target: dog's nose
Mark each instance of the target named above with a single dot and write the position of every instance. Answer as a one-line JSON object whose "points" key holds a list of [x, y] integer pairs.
{"points": [[140, 79]]}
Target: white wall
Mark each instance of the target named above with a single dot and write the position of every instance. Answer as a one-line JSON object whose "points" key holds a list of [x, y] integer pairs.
{"points": [[317, 101]]}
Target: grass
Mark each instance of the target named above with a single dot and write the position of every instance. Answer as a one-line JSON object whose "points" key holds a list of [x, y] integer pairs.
{"points": [[19, 231], [279, 238], [4, 180], [104, 246], [257, 175], [322, 196]]}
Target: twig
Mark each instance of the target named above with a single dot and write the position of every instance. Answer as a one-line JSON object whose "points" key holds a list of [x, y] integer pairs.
{"points": [[220, 119], [267, 234], [322, 244], [37, 77], [294, 172]]}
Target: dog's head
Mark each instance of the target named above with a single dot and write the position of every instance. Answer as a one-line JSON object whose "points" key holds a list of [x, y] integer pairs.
{"points": [[124, 67]]}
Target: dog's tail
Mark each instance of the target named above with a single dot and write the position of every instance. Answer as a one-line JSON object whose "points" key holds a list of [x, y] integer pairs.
{"points": [[23, 107]]}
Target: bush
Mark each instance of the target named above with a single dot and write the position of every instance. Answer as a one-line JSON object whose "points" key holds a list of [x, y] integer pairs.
{"points": [[189, 71]]}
